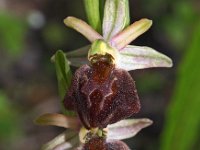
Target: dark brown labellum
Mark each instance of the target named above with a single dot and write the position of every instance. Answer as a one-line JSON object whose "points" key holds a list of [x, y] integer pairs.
{"points": [[102, 95], [102, 144]]}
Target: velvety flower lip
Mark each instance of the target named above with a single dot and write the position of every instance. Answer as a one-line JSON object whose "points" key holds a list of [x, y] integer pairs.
{"points": [[99, 100]]}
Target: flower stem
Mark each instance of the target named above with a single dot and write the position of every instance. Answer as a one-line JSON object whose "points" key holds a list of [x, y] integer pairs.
{"points": [[92, 8]]}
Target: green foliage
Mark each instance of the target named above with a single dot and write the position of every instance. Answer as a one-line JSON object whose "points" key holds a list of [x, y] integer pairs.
{"points": [[101, 8], [63, 73], [183, 116], [54, 35], [92, 8], [8, 120], [127, 13], [177, 25], [149, 82], [12, 33]]}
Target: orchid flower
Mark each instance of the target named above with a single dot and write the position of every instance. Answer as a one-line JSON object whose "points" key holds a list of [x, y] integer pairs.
{"points": [[114, 43], [128, 57]]}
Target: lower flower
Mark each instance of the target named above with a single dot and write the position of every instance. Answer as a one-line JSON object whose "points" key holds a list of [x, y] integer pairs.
{"points": [[79, 138]]}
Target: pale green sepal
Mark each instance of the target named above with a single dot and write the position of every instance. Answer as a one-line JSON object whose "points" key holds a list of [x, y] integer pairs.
{"points": [[92, 8], [60, 139], [78, 57], [71, 144], [78, 61], [127, 128], [83, 28], [139, 57], [116, 17], [81, 52], [78, 53]]}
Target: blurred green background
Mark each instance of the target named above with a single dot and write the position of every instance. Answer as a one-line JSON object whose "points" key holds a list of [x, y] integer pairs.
{"points": [[32, 31]]}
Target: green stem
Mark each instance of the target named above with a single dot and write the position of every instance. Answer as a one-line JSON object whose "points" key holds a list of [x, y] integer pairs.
{"points": [[92, 8]]}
